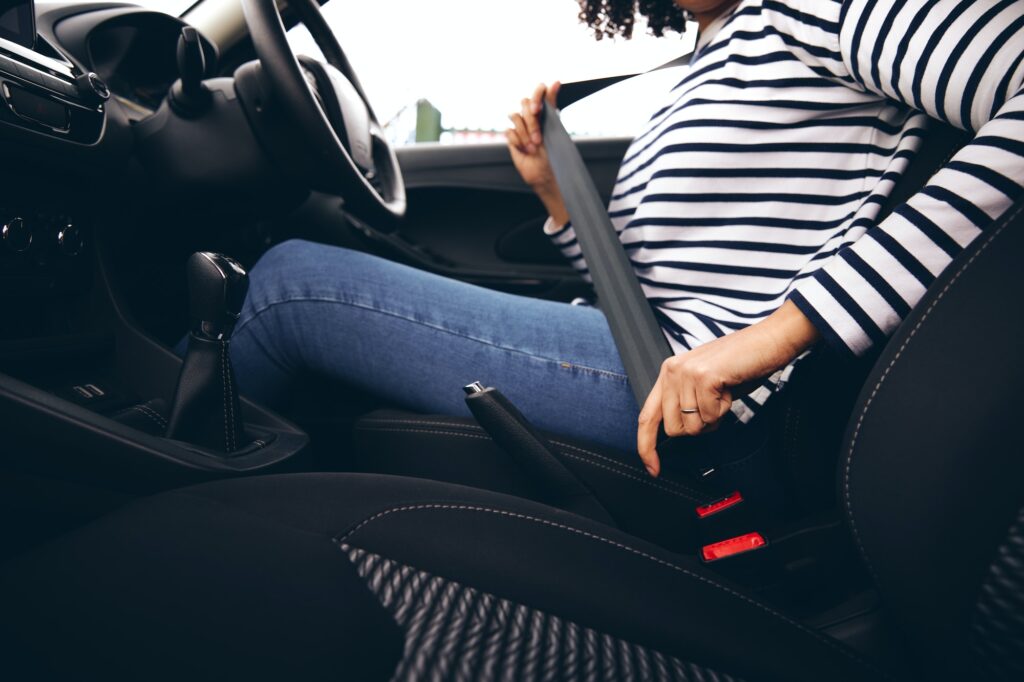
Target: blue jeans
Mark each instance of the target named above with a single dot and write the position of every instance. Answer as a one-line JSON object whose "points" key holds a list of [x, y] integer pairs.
{"points": [[416, 339]]}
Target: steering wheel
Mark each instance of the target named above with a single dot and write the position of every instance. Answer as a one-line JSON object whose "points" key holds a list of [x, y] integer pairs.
{"points": [[342, 145]]}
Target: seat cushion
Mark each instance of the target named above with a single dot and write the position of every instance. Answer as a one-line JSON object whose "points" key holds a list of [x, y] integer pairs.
{"points": [[330, 573], [457, 450]]}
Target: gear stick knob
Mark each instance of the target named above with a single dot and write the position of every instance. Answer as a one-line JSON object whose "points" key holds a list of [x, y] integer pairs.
{"points": [[206, 409], [217, 286]]}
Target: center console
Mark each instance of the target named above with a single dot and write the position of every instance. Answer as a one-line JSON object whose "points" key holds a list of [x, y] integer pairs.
{"points": [[85, 395]]}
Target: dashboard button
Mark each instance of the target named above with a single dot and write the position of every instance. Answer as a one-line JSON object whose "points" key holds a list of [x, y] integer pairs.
{"points": [[70, 240], [17, 235]]}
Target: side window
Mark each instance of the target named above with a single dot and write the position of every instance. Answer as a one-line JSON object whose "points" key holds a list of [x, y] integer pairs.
{"points": [[451, 71]]}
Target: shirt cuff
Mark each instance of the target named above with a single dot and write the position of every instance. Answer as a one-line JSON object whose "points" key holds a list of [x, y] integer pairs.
{"points": [[553, 229]]}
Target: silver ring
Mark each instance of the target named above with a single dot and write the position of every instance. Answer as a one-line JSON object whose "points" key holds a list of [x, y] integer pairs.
{"points": [[690, 410]]}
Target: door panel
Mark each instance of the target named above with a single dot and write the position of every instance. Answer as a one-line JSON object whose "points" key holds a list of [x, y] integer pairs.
{"points": [[471, 217]]}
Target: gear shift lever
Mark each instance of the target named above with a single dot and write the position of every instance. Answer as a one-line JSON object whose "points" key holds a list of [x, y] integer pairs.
{"points": [[206, 409]]}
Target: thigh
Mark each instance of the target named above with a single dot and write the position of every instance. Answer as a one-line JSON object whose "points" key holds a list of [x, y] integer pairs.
{"points": [[416, 338]]}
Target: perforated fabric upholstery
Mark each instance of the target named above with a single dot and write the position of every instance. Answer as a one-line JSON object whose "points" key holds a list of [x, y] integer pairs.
{"points": [[455, 632], [997, 628]]}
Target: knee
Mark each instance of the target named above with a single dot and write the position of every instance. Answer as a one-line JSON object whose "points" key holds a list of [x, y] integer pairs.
{"points": [[286, 271], [286, 256]]}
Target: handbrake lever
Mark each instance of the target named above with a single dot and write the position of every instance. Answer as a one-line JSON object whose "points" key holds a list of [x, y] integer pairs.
{"points": [[555, 484]]}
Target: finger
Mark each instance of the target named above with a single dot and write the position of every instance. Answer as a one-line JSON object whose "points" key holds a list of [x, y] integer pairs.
{"points": [[709, 402], [724, 406], [553, 93], [537, 98], [671, 417], [532, 122], [521, 132], [693, 425], [513, 141], [647, 431]]}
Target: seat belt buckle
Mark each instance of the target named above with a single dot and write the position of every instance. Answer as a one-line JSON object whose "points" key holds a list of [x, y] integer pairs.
{"points": [[733, 547], [744, 558]]}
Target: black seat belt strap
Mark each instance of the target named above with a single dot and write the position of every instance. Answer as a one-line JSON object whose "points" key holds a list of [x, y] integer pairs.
{"points": [[637, 334], [577, 90]]}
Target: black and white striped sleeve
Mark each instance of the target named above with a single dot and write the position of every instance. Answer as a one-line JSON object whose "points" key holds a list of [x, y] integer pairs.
{"points": [[961, 61], [564, 237]]}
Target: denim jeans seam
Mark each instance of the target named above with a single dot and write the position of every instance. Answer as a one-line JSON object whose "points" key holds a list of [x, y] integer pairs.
{"points": [[389, 313], [263, 348]]}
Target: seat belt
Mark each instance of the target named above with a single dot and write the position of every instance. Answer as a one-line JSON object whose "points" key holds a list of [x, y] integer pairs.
{"points": [[638, 336], [570, 93]]}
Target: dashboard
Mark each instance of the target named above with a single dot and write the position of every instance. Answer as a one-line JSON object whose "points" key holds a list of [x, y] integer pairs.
{"points": [[135, 55], [74, 84], [84, 70]]}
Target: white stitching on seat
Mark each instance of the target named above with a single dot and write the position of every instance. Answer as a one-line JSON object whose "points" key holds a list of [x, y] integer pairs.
{"points": [[418, 422], [151, 413], [618, 545], [626, 470], [224, 393], [638, 479], [440, 433], [663, 481], [141, 409], [624, 474], [847, 491]]}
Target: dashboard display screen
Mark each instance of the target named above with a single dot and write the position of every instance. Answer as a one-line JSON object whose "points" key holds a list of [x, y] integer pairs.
{"points": [[18, 22]]}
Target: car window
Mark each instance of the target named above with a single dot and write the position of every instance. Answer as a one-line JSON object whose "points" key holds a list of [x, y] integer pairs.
{"points": [[450, 71]]}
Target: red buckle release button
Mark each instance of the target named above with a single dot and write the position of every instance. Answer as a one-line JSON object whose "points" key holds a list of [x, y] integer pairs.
{"points": [[733, 546], [719, 505]]}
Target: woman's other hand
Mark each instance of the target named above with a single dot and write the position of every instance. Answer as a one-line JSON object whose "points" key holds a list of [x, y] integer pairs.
{"points": [[695, 389], [526, 144]]}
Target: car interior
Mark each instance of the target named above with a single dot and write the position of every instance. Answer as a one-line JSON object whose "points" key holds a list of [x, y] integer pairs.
{"points": [[152, 159]]}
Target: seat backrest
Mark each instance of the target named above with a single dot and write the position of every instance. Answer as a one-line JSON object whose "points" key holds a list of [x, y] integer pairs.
{"points": [[810, 429], [932, 467]]}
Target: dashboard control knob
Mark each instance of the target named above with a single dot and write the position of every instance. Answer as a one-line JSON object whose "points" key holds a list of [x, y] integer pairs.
{"points": [[70, 240], [92, 88], [16, 235]]}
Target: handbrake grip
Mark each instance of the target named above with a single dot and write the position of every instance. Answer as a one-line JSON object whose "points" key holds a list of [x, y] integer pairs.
{"points": [[555, 484]]}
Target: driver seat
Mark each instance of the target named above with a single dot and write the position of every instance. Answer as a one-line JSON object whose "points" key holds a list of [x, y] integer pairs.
{"points": [[375, 577], [795, 440]]}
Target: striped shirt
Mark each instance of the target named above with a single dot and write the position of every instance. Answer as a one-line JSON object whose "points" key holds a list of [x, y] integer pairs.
{"points": [[761, 177]]}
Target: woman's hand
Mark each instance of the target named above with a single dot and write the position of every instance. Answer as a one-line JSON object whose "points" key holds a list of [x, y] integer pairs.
{"points": [[695, 389], [526, 144]]}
